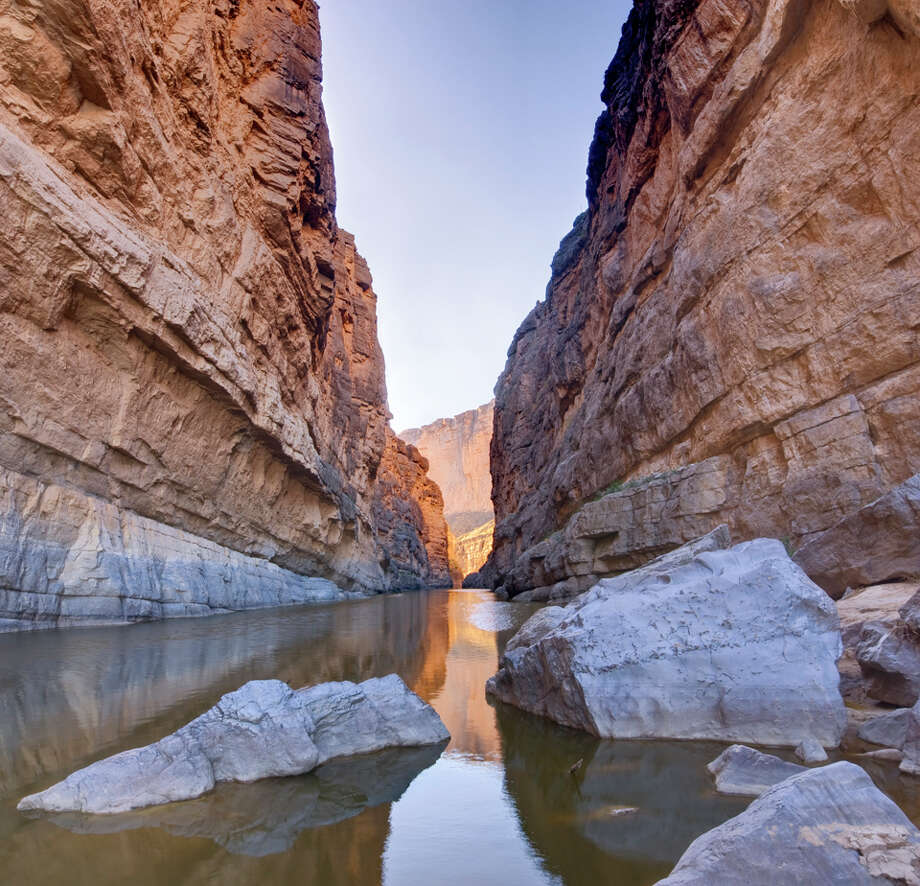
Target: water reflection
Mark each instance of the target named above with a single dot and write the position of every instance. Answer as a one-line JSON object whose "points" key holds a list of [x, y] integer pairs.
{"points": [[499, 805], [266, 817]]}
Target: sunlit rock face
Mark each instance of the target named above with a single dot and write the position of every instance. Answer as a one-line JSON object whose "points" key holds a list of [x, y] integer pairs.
{"points": [[457, 450], [742, 293], [188, 337]]}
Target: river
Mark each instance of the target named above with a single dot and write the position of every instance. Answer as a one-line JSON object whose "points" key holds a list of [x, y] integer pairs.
{"points": [[497, 805]]}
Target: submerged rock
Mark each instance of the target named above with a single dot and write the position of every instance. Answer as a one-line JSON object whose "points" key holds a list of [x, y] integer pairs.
{"points": [[261, 730], [736, 645], [741, 770], [826, 825]]}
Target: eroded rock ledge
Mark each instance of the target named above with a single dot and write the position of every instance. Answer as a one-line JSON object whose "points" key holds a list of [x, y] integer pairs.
{"points": [[739, 303], [189, 338]]}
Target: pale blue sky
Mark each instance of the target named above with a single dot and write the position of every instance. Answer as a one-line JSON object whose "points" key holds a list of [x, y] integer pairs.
{"points": [[461, 132]]}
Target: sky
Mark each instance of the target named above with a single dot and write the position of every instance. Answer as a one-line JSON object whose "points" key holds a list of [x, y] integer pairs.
{"points": [[460, 131]]}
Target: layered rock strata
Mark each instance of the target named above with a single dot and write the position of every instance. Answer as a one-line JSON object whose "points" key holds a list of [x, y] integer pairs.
{"points": [[409, 517], [264, 729], [457, 450], [676, 649], [473, 549], [735, 315], [190, 362]]}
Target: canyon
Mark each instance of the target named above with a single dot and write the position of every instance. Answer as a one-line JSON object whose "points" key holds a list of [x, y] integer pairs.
{"points": [[457, 450], [730, 331], [192, 395]]}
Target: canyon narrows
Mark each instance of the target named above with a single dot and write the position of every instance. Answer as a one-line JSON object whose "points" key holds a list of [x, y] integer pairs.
{"points": [[194, 413]]}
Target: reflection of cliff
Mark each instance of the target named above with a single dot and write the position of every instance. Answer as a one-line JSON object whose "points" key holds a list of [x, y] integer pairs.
{"points": [[667, 781], [73, 696], [455, 683]]}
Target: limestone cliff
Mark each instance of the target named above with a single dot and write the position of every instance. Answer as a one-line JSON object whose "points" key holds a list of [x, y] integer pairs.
{"points": [[473, 548], [730, 332], [191, 386], [457, 450]]}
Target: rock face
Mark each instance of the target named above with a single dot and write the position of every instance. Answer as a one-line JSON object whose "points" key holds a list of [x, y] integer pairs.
{"points": [[738, 304], [827, 825], [473, 548], [735, 645], [879, 542], [409, 518], [888, 730], [190, 363], [911, 746], [262, 730], [748, 773], [457, 450]]}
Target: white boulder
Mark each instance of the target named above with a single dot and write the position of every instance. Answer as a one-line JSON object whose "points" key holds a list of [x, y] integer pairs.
{"points": [[734, 645], [261, 730]]}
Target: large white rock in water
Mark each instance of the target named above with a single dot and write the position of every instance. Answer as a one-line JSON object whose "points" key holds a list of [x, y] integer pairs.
{"points": [[827, 825], [736, 645], [261, 730]]}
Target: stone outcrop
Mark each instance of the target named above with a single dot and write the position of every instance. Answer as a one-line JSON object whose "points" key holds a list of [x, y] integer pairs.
{"points": [[729, 334], [733, 645], [457, 450], [827, 825], [742, 771], [911, 746], [190, 366], [408, 515], [264, 729], [878, 543]]}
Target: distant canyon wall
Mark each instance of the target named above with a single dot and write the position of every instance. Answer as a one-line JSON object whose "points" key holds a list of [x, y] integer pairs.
{"points": [[457, 450], [730, 333], [189, 340]]}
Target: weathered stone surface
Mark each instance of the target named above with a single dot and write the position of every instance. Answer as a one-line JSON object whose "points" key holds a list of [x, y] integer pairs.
{"points": [[877, 543], [889, 658], [810, 750], [409, 518], [911, 746], [742, 771], [187, 335], [826, 825], [736, 645], [742, 294], [261, 730], [457, 450], [473, 549], [888, 730]]}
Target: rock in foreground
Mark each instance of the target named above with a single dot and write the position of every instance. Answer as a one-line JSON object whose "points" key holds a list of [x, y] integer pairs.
{"points": [[827, 825], [261, 730], [742, 771], [736, 645]]}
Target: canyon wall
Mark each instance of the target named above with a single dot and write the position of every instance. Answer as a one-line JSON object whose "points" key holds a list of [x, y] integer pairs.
{"points": [[457, 450], [730, 332], [190, 376]]}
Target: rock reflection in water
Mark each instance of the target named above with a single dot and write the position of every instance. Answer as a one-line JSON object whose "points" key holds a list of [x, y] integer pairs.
{"points": [[571, 819], [266, 817], [73, 696]]}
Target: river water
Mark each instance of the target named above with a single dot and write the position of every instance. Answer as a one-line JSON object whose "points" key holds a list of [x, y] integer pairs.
{"points": [[497, 805]]}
